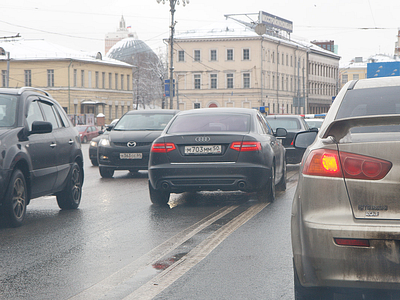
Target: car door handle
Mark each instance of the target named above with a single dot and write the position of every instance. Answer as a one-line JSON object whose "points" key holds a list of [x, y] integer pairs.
{"points": [[70, 142], [53, 145]]}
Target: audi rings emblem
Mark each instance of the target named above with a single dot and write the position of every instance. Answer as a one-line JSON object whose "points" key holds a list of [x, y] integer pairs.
{"points": [[131, 144], [202, 139]]}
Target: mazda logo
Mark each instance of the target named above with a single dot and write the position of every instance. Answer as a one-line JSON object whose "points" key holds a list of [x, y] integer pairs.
{"points": [[202, 139], [131, 144]]}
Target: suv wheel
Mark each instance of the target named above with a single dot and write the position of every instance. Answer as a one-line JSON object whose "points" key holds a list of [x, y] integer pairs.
{"points": [[16, 198], [70, 197], [157, 197], [106, 172]]}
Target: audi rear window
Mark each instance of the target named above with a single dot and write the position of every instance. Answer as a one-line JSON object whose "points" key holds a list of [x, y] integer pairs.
{"points": [[210, 123]]}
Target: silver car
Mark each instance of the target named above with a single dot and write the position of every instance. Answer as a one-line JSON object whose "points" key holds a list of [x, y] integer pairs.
{"points": [[345, 222]]}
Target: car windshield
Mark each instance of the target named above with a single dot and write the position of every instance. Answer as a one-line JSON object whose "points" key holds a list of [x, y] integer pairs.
{"points": [[8, 110], [145, 121], [314, 123], [287, 123], [210, 123], [370, 102], [81, 128]]}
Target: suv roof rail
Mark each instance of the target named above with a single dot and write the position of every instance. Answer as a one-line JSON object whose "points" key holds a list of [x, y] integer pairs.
{"points": [[23, 89]]}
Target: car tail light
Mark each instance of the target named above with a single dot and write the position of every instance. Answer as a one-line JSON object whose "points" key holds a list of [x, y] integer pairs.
{"points": [[331, 163], [352, 242], [163, 147], [246, 146]]}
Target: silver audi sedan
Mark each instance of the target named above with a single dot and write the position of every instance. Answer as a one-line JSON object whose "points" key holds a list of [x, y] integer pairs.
{"points": [[345, 222]]}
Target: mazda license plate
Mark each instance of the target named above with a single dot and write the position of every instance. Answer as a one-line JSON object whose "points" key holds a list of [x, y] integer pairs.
{"points": [[130, 155]]}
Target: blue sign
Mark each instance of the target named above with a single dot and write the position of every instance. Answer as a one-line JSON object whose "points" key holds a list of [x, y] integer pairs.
{"points": [[167, 88]]}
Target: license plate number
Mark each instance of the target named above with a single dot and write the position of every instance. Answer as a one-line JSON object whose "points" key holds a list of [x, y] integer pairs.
{"points": [[130, 155], [209, 149]]}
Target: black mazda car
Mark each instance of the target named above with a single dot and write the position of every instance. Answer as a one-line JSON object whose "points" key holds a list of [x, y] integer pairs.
{"points": [[209, 149], [40, 153], [127, 145]]}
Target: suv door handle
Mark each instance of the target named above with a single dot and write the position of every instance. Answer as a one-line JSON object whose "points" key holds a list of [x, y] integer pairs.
{"points": [[53, 145], [70, 142]]}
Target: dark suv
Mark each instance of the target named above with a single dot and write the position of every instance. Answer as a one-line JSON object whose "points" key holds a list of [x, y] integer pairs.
{"points": [[40, 153]]}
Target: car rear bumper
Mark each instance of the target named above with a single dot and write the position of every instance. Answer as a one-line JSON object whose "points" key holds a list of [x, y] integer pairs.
{"points": [[321, 262], [184, 177]]}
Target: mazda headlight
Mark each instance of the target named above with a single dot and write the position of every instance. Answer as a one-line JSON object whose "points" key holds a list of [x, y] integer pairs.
{"points": [[104, 142], [93, 143]]}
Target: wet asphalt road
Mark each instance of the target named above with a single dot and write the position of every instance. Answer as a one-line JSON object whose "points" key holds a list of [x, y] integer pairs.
{"points": [[119, 246]]}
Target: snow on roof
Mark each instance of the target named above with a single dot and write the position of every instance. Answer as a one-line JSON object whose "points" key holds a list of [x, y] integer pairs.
{"points": [[377, 58], [21, 49], [231, 29]]}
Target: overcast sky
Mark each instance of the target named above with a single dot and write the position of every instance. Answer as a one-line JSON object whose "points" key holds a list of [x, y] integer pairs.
{"points": [[358, 27]]}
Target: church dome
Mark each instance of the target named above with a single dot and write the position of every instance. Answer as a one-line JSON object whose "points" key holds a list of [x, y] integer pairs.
{"points": [[129, 50]]}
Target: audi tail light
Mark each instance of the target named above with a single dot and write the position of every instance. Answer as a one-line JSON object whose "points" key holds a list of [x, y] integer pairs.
{"points": [[331, 163], [163, 147], [246, 146]]}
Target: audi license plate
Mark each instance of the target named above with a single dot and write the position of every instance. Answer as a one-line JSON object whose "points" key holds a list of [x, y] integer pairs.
{"points": [[130, 155], [207, 149]]}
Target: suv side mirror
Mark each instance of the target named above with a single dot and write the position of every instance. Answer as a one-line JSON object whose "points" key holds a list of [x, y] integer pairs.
{"points": [[304, 139], [280, 132], [41, 127]]}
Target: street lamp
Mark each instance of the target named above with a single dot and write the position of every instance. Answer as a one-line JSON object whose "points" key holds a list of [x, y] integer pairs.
{"points": [[171, 69]]}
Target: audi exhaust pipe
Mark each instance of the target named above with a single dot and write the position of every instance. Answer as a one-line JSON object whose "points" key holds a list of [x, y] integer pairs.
{"points": [[241, 185], [165, 186]]}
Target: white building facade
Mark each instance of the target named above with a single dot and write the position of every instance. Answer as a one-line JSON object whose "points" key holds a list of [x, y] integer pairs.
{"points": [[235, 67]]}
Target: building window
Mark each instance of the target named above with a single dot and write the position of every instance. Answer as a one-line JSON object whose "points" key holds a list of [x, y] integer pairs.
{"points": [[213, 81], [213, 55], [181, 55], [229, 81], [345, 78], [116, 81], [197, 81], [273, 56], [122, 82], [82, 78], [229, 54], [50, 78], [277, 58], [356, 76], [75, 83], [96, 79], [110, 80], [196, 105], [246, 80], [103, 80], [128, 82], [287, 59], [196, 55], [28, 78], [110, 112], [246, 54], [4, 78], [116, 112], [90, 79]]}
